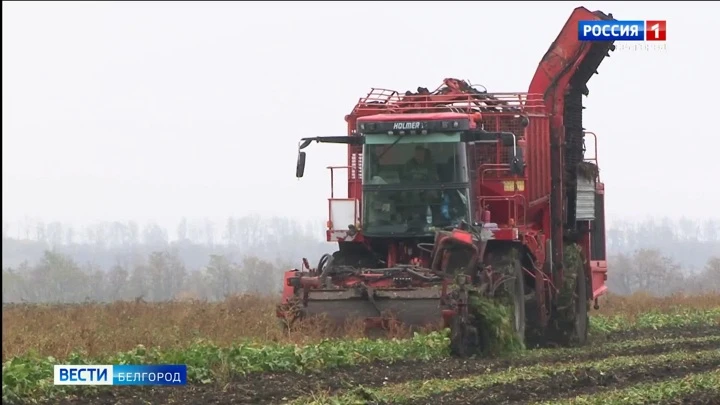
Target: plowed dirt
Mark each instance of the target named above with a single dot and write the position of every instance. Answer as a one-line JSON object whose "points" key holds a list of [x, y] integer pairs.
{"points": [[567, 384], [696, 398], [269, 388]]}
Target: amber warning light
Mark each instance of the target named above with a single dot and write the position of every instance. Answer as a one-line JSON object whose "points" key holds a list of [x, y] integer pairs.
{"points": [[635, 30]]}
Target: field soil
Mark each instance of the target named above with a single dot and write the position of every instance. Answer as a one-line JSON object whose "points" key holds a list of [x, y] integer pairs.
{"points": [[278, 388], [704, 397]]}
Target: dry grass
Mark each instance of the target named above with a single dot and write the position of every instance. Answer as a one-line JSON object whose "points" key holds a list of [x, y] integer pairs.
{"points": [[638, 303], [109, 328], [97, 329]]}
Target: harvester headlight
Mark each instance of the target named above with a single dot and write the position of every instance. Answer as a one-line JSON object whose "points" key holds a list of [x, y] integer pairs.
{"points": [[367, 126], [456, 124]]}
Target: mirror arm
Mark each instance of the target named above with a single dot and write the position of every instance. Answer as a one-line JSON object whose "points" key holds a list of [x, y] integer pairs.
{"points": [[304, 143], [348, 140]]}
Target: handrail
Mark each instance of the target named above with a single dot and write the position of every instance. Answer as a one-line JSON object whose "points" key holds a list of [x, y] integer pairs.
{"points": [[595, 151], [595, 158], [497, 167], [510, 199], [332, 176]]}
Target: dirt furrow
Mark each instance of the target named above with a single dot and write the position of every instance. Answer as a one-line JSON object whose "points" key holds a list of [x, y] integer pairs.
{"points": [[702, 397], [569, 384], [269, 388]]}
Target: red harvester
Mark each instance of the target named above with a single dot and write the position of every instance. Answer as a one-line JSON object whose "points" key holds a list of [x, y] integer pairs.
{"points": [[458, 191]]}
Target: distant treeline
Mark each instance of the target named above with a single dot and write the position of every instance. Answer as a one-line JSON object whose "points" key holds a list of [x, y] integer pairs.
{"points": [[161, 276], [108, 244], [116, 261]]}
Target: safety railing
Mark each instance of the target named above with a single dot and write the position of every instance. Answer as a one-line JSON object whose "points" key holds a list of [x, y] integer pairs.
{"points": [[353, 176], [514, 203], [497, 168], [394, 102], [593, 159]]}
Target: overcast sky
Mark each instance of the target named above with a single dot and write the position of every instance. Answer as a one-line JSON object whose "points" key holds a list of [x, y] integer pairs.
{"points": [[158, 110]]}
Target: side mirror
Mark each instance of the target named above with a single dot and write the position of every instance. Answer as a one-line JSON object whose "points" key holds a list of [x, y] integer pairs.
{"points": [[517, 163], [300, 168]]}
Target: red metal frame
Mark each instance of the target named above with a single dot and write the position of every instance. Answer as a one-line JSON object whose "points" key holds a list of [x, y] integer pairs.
{"points": [[565, 58]]}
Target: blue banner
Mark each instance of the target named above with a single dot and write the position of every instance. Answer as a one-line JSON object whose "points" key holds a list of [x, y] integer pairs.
{"points": [[151, 374], [611, 30]]}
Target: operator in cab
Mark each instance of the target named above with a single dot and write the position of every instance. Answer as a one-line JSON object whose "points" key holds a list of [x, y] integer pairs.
{"points": [[420, 168], [421, 204]]}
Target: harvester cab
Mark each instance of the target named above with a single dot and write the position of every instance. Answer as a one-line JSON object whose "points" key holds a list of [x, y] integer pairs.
{"points": [[456, 197]]}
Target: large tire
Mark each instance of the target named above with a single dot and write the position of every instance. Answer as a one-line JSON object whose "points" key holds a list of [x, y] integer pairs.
{"points": [[475, 336], [570, 323], [582, 319], [464, 339], [518, 296], [511, 265]]}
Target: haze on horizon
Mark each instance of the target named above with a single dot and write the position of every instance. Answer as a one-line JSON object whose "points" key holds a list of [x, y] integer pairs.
{"points": [[163, 110]]}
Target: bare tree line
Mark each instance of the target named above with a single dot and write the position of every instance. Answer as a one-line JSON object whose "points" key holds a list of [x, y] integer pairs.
{"points": [[234, 231], [57, 278], [119, 261], [647, 270], [108, 244]]}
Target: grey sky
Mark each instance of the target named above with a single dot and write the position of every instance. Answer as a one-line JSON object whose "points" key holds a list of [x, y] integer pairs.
{"points": [[154, 111]]}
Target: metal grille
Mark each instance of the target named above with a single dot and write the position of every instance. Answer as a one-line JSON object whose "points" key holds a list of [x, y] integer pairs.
{"points": [[496, 153]]}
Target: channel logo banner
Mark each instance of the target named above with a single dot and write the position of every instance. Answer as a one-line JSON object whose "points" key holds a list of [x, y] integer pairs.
{"points": [[611, 30], [151, 374]]}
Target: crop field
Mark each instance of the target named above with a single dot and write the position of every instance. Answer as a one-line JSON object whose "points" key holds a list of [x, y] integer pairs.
{"points": [[643, 350]]}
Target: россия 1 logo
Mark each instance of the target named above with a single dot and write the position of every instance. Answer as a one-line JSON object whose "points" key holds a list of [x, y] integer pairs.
{"points": [[631, 30]]}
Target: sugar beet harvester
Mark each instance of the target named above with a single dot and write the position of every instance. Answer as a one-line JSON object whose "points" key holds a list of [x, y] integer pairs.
{"points": [[459, 192]]}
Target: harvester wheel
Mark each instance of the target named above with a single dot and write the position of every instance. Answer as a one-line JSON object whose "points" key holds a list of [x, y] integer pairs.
{"points": [[486, 329], [570, 324], [511, 266], [465, 339], [582, 319], [517, 293]]}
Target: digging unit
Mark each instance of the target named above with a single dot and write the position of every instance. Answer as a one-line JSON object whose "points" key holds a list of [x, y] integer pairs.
{"points": [[458, 192]]}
